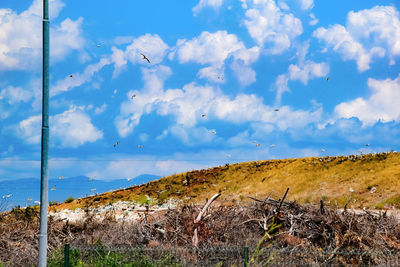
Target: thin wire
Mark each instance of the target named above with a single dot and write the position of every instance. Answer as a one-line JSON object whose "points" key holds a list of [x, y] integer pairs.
{"points": [[149, 160]]}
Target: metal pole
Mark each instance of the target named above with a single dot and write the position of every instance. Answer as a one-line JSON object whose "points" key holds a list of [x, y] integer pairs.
{"points": [[66, 255], [246, 256], [44, 171]]}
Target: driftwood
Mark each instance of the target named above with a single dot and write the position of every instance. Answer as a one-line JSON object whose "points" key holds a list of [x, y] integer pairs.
{"points": [[195, 238]]}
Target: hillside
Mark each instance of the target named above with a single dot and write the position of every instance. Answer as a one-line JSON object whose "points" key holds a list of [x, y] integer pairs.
{"points": [[371, 180]]}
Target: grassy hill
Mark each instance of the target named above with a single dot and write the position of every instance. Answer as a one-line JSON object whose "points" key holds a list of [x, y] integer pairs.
{"points": [[310, 180]]}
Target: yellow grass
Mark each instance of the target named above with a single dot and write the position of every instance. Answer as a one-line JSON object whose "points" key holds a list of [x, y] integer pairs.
{"points": [[310, 180]]}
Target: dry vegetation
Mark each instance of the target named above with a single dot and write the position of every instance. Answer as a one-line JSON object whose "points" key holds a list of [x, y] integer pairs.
{"points": [[279, 225], [303, 220], [309, 179]]}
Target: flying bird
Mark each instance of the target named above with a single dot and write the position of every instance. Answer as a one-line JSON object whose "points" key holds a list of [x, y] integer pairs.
{"points": [[91, 178], [133, 96], [220, 77], [327, 79], [70, 76], [214, 132], [366, 144], [61, 177], [203, 115], [139, 146], [144, 57], [128, 179], [277, 109], [258, 145], [53, 188], [116, 144]]}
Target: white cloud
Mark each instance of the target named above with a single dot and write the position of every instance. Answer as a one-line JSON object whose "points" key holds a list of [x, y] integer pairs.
{"points": [[244, 73], [308, 70], [189, 103], [215, 4], [152, 46], [314, 21], [14, 95], [78, 79], [215, 49], [269, 26], [306, 4], [281, 86], [303, 71], [21, 36], [382, 104], [369, 33], [100, 109], [71, 128]]}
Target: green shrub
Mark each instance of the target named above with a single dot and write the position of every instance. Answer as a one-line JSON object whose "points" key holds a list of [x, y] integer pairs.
{"points": [[53, 203], [69, 200]]}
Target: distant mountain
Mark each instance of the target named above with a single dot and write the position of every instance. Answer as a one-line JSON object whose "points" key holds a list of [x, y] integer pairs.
{"points": [[18, 192]]}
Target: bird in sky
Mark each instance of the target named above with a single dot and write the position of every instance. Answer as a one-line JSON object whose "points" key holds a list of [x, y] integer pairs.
{"points": [[91, 178], [144, 57], [220, 77], [61, 177], [116, 144], [366, 144], [133, 96], [258, 145], [139, 146], [203, 115], [214, 132], [277, 109], [327, 79], [128, 179], [53, 188], [70, 76]]}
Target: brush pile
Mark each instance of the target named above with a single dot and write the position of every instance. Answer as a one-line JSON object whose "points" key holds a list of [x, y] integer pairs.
{"points": [[274, 230]]}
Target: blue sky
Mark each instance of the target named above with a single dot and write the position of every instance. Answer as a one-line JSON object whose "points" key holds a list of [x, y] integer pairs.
{"points": [[228, 81]]}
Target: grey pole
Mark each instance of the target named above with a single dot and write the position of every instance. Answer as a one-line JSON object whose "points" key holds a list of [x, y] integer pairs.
{"points": [[44, 171]]}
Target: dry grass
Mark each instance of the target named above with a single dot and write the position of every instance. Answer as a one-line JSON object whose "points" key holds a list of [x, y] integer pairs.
{"points": [[310, 180]]}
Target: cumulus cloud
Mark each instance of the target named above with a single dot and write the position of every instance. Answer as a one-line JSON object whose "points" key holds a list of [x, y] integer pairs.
{"points": [[215, 49], [303, 71], [78, 79], [271, 27], [14, 95], [21, 36], [381, 105], [314, 21], [368, 34], [306, 4], [152, 46], [188, 104], [71, 128], [215, 4]]}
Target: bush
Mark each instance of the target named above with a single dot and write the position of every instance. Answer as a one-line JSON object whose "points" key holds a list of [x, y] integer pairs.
{"points": [[53, 203], [69, 200]]}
